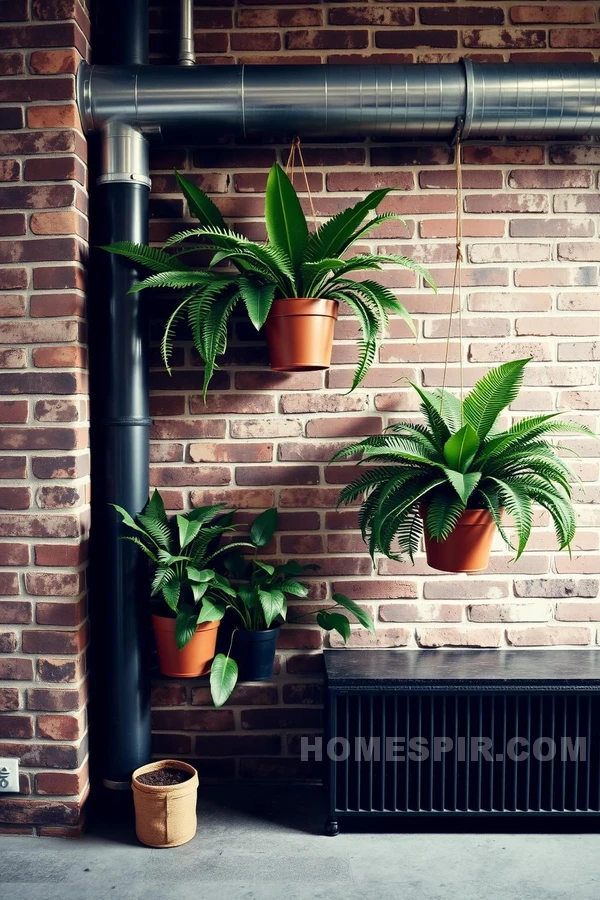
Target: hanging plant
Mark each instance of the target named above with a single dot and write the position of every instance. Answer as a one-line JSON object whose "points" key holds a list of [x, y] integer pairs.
{"points": [[453, 476], [294, 283]]}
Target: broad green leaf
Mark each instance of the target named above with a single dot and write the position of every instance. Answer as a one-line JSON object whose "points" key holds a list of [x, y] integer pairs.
{"points": [[257, 298], [266, 567], [360, 614], [210, 612], [293, 568], [273, 604], [200, 204], [200, 576], [187, 530], [263, 528], [463, 484], [185, 624], [295, 588], [223, 678], [127, 519], [247, 595], [460, 449], [285, 220], [334, 622], [198, 591]]}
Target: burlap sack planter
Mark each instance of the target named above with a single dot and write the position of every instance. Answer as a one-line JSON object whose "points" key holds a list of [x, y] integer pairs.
{"points": [[165, 815]]}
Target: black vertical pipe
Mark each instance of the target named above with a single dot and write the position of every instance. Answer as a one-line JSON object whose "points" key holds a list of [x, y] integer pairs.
{"points": [[122, 29], [120, 432]]}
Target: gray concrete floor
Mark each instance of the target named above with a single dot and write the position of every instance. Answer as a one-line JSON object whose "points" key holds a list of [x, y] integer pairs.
{"points": [[266, 843]]}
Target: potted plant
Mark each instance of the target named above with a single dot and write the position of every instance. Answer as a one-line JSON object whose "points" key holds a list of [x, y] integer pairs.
{"points": [[454, 475], [183, 552], [260, 606], [164, 797], [294, 283]]}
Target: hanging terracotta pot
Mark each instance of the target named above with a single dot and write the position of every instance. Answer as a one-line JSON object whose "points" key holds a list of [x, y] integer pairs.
{"points": [[467, 547], [300, 334], [164, 796], [196, 656]]}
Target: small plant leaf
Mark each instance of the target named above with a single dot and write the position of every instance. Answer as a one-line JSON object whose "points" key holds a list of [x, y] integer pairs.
{"points": [[357, 611], [463, 484], [223, 678], [460, 449], [334, 622], [200, 576], [187, 531], [273, 604], [295, 588], [286, 222], [209, 612], [200, 204], [171, 593], [257, 298], [263, 528], [185, 624]]}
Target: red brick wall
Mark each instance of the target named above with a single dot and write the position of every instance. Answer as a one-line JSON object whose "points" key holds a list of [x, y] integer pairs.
{"points": [[44, 461], [531, 277]]}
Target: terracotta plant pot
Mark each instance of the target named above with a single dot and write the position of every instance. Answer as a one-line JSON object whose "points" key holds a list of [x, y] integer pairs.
{"points": [[196, 656], [467, 548], [300, 334], [254, 652], [165, 815]]}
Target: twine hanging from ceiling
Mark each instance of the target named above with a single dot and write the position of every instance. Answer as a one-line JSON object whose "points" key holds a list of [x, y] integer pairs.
{"points": [[457, 280], [289, 170]]}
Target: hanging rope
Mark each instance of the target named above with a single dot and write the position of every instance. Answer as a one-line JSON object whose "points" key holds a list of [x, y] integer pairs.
{"points": [[457, 278], [289, 170]]}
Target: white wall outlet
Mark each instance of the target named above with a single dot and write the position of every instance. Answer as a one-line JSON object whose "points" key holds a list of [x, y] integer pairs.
{"points": [[9, 775]]}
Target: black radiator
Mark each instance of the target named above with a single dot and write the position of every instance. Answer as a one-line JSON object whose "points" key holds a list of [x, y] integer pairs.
{"points": [[452, 732]]}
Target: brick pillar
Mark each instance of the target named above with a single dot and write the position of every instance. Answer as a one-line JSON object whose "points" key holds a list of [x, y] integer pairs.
{"points": [[44, 456]]}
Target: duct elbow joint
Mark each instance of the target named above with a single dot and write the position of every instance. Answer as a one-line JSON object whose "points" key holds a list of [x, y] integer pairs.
{"points": [[124, 154]]}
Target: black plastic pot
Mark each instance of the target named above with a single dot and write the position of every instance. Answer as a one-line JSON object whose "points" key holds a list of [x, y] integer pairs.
{"points": [[254, 652]]}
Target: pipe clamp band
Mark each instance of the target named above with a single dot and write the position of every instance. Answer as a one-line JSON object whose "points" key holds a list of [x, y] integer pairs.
{"points": [[470, 96]]}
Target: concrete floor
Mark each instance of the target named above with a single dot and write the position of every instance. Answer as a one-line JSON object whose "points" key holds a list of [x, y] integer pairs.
{"points": [[267, 844]]}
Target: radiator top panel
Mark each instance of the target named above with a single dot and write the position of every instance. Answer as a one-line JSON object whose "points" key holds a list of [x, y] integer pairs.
{"points": [[459, 670]]}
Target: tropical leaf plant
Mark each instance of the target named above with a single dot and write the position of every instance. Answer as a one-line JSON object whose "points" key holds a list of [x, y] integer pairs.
{"points": [[293, 263], [459, 460], [185, 553], [262, 591], [200, 573]]}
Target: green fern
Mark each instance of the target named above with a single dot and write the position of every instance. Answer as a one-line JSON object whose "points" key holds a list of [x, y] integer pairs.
{"points": [[457, 461], [293, 263]]}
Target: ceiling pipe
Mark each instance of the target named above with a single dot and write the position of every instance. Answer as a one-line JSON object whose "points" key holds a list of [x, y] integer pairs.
{"points": [[119, 434], [338, 102]]}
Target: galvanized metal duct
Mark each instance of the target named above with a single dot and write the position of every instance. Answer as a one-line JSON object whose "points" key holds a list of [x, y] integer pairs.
{"points": [[338, 102]]}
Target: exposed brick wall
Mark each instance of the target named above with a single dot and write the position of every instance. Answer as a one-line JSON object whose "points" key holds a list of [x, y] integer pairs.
{"points": [[531, 235], [44, 461]]}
